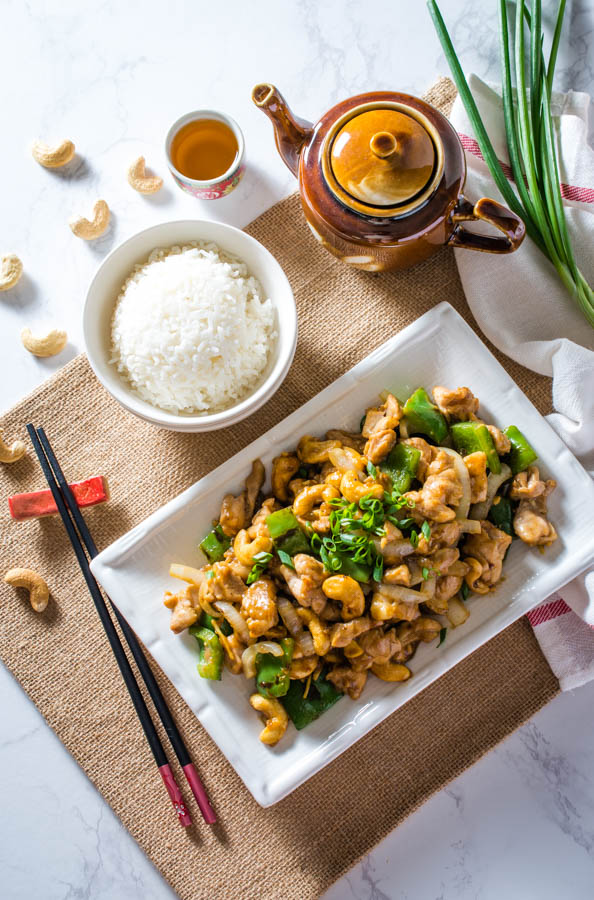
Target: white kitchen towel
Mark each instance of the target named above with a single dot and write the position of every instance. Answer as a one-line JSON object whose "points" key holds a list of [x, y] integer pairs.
{"points": [[523, 308]]}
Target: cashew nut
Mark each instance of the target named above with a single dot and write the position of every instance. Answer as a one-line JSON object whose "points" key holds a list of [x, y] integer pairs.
{"points": [[274, 715], [12, 453], [245, 549], [319, 631], [391, 671], [309, 496], [140, 181], [27, 578], [348, 592], [53, 342], [53, 157], [354, 490], [11, 269], [89, 229]]}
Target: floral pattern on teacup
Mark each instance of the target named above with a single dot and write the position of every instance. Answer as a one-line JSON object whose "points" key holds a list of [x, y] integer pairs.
{"points": [[212, 191]]}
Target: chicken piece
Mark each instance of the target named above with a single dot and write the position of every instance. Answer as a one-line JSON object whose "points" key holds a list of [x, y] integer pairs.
{"points": [[425, 629], [446, 534], [184, 607], [377, 647], [236, 512], [476, 463], [235, 566], [284, 467], [528, 484], [387, 605], [379, 445], [460, 404], [441, 561], [488, 547], [531, 523], [347, 681], [347, 439], [397, 575], [343, 633], [501, 440], [393, 546], [445, 588], [225, 584], [305, 581], [382, 418], [259, 528], [310, 450], [258, 607], [438, 495], [427, 453]]}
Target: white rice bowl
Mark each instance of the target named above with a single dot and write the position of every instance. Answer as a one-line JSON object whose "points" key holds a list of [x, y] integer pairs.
{"points": [[192, 331]]}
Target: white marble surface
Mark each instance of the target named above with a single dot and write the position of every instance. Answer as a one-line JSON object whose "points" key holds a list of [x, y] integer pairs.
{"points": [[112, 76]]}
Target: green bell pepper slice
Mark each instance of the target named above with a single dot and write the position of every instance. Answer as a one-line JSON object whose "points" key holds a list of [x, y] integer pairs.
{"points": [[272, 672], [473, 437], [423, 416], [522, 454], [302, 711], [210, 660], [501, 515], [214, 544], [281, 522], [401, 466], [285, 531]]}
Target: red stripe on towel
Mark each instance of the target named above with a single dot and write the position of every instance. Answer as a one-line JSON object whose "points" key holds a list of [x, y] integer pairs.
{"points": [[547, 611], [568, 191]]}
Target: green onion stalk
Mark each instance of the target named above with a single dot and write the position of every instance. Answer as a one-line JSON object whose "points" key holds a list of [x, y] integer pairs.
{"points": [[530, 135]]}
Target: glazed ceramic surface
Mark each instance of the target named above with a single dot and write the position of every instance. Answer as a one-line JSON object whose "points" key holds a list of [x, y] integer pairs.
{"points": [[439, 348], [381, 177]]}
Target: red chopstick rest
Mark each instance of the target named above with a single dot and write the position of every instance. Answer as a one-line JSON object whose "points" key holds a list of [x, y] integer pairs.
{"points": [[41, 503]]}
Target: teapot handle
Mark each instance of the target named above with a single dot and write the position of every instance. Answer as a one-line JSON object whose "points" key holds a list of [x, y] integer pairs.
{"points": [[495, 214]]}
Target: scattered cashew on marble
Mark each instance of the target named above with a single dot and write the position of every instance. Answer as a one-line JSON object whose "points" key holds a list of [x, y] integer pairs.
{"points": [[11, 269], [140, 181], [89, 229], [10, 453], [53, 157], [49, 345], [34, 583]]}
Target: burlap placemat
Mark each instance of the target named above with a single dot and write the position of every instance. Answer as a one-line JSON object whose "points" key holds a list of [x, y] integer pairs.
{"points": [[296, 849]]}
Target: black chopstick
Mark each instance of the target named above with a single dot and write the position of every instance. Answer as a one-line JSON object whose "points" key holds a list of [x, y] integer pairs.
{"points": [[153, 688], [140, 706]]}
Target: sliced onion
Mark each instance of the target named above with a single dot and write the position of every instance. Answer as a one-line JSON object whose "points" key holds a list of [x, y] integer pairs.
{"points": [[403, 429], [457, 612], [464, 478], [248, 657], [400, 593], [469, 526], [305, 643], [428, 588], [187, 573], [235, 620], [494, 482], [289, 616]]}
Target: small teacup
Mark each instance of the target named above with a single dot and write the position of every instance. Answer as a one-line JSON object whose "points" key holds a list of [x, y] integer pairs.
{"points": [[205, 188]]}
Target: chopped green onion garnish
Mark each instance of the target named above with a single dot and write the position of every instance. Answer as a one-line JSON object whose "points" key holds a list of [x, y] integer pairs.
{"points": [[442, 636], [285, 559], [426, 529]]}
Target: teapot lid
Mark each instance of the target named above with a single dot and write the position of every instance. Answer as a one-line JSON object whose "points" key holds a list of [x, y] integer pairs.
{"points": [[382, 159]]}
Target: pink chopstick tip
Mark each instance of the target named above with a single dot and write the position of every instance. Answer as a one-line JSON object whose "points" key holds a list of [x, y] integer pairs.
{"points": [[175, 794], [200, 794]]}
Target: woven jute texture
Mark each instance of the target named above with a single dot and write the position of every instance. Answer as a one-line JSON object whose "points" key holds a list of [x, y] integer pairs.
{"points": [[297, 848]]}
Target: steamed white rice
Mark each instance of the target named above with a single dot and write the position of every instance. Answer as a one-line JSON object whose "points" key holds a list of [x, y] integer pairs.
{"points": [[192, 330]]}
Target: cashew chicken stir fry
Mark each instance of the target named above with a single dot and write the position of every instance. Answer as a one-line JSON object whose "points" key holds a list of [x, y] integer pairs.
{"points": [[364, 540]]}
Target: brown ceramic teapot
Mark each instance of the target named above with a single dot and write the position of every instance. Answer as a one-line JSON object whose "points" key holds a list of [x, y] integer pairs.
{"points": [[381, 178]]}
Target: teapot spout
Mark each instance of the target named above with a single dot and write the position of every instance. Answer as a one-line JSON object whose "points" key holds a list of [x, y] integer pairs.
{"points": [[290, 133]]}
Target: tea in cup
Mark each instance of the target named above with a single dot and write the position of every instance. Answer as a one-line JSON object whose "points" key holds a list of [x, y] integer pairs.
{"points": [[205, 152]]}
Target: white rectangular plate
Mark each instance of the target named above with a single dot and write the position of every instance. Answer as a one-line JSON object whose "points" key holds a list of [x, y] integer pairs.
{"points": [[439, 348]]}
